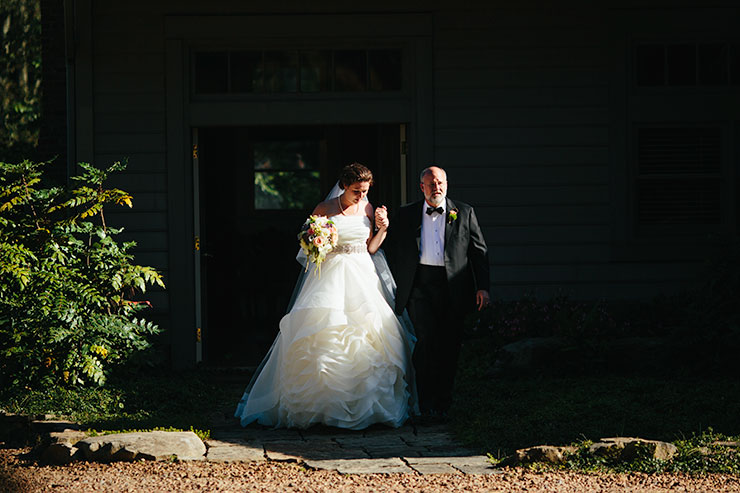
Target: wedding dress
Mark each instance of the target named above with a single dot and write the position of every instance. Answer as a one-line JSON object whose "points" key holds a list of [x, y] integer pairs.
{"points": [[342, 357]]}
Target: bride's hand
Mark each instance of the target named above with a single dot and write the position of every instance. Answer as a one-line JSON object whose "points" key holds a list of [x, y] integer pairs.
{"points": [[381, 217]]}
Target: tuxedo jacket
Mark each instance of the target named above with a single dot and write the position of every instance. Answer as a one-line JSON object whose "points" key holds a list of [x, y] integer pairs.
{"points": [[466, 253]]}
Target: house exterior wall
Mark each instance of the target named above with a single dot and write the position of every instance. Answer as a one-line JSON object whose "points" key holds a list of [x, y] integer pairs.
{"points": [[52, 135], [530, 114]]}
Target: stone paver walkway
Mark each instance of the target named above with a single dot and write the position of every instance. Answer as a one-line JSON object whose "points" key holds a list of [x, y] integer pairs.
{"points": [[419, 450]]}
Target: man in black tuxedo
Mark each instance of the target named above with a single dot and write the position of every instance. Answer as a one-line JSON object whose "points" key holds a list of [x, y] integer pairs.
{"points": [[439, 259]]}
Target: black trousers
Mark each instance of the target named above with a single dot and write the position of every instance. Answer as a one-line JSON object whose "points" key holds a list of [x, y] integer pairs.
{"points": [[439, 335]]}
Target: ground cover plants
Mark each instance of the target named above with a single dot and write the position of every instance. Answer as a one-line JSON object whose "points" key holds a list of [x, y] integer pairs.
{"points": [[659, 369], [701, 453], [497, 414], [149, 400]]}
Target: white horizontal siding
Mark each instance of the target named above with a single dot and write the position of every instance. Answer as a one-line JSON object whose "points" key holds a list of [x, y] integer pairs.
{"points": [[137, 162], [486, 156], [521, 121], [110, 62], [522, 124], [502, 195], [129, 101], [466, 176], [129, 115], [535, 215]]}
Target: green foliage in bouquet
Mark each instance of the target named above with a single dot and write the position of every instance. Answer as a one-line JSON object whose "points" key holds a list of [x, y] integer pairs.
{"points": [[67, 315]]}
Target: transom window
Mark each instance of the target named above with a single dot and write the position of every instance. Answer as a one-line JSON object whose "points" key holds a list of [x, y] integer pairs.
{"points": [[297, 71], [687, 64]]}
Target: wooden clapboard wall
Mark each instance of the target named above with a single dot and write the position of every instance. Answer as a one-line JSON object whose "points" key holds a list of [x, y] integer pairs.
{"points": [[534, 112]]}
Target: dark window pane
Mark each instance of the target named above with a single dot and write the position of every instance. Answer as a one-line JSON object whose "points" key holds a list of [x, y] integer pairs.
{"points": [[650, 65], [681, 65], [286, 189], [679, 176], [281, 71], [286, 174], [286, 155], [735, 64], [713, 64], [385, 70], [350, 70], [246, 71], [315, 71], [211, 73], [684, 150]]}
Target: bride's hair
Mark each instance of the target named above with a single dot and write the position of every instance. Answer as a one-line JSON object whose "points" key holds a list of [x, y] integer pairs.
{"points": [[353, 173]]}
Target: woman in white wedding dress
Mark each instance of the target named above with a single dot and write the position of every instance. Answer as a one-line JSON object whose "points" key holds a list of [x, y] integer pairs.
{"points": [[342, 357]]}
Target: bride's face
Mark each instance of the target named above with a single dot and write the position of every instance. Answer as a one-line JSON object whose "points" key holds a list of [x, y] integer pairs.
{"points": [[357, 191]]}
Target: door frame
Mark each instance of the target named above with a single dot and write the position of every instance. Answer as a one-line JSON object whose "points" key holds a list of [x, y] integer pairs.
{"points": [[412, 33]]}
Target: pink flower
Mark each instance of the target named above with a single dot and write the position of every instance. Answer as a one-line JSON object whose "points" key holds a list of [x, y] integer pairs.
{"points": [[318, 241]]}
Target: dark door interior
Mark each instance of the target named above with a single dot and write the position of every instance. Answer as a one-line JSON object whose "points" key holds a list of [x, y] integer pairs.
{"points": [[257, 186]]}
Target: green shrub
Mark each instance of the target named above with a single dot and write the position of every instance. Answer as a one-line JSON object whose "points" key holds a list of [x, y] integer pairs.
{"points": [[507, 321], [20, 76], [67, 314], [701, 454]]}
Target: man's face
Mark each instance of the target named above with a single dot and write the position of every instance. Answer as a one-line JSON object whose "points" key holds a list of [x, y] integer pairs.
{"points": [[434, 186]]}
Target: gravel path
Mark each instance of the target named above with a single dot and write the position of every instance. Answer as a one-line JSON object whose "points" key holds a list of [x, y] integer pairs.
{"points": [[16, 475]]}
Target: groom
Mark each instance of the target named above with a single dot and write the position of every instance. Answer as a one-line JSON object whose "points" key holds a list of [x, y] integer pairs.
{"points": [[439, 259]]}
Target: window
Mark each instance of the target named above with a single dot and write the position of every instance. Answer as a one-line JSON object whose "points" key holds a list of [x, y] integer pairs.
{"points": [[297, 71], [678, 176], [286, 174], [687, 64]]}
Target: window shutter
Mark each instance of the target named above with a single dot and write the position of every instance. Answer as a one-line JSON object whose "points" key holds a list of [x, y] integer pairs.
{"points": [[678, 176]]}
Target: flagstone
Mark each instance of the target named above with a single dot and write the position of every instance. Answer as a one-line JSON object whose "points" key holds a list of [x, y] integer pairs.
{"points": [[472, 464], [151, 445], [431, 465], [362, 466], [235, 454], [288, 450], [394, 451]]}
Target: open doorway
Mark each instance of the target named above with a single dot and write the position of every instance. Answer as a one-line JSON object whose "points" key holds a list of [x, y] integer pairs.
{"points": [[256, 187]]}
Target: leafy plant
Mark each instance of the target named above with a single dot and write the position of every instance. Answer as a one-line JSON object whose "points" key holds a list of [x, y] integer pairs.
{"points": [[20, 75], [155, 399], [67, 313], [507, 321], [706, 452]]}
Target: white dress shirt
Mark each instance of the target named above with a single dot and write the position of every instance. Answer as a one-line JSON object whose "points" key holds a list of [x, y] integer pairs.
{"points": [[432, 248]]}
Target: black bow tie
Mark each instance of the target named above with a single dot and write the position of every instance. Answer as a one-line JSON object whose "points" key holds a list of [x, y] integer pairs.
{"points": [[438, 210]]}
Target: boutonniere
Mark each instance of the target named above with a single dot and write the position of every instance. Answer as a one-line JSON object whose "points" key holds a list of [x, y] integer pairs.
{"points": [[452, 216]]}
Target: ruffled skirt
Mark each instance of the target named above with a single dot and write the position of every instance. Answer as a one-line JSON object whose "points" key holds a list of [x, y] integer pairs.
{"points": [[342, 357]]}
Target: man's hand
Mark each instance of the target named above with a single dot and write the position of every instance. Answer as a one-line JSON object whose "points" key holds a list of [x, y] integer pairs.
{"points": [[482, 299], [381, 217]]}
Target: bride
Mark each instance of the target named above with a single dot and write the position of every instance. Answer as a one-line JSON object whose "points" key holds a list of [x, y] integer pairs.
{"points": [[342, 357]]}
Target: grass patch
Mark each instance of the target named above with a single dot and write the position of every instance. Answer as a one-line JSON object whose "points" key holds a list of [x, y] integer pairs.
{"points": [[163, 401], [202, 434], [499, 414], [699, 454]]}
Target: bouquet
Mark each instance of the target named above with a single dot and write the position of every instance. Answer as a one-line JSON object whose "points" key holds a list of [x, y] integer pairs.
{"points": [[317, 238]]}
